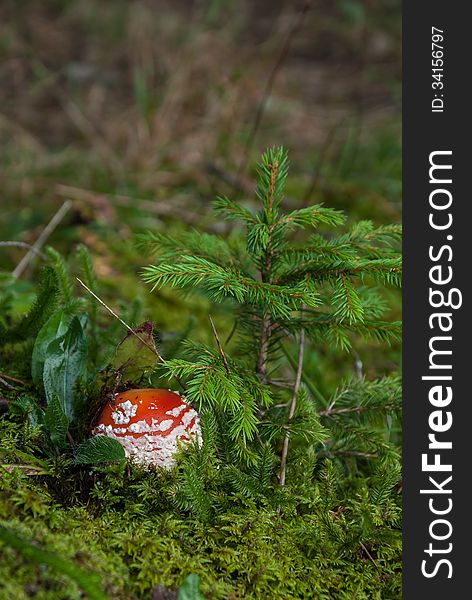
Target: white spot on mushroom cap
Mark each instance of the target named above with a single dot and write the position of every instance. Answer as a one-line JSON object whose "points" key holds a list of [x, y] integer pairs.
{"points": [[144, 427], [124, 412], [187, 417], [175, 412]]}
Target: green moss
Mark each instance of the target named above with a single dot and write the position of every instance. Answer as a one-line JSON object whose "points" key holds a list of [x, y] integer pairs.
{"points": [[125, 527]]}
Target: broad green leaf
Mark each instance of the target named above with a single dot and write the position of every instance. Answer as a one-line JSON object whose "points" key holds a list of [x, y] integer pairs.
{"points": [[189, 590], [134, 357], [65, 368], [99, 449], [55, 327], [56, 423]]}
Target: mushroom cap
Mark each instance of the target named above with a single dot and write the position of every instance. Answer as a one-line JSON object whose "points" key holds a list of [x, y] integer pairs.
{"points": [[150, 424]]}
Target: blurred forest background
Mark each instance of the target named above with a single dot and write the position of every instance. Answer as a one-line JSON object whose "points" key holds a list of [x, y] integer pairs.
{"points": [[141, 112]]}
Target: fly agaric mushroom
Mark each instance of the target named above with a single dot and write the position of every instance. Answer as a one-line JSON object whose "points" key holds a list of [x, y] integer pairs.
{"points": [[149, 424]]}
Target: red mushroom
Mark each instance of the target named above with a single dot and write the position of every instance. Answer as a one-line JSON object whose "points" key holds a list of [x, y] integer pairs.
{"points": [[150, 424]]}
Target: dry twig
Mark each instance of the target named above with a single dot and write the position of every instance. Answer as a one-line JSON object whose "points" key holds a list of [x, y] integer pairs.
{"points": [[293, 404], [9, 243], [46, 232], [220, 348], [167, 208], [10, 378], [128, 327], [6, 384]]}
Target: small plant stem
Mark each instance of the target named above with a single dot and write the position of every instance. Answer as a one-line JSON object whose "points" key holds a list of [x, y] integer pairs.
{"points": [[279, 383], [232, 332], [318, 168], [220, 348], [266, 328], [6, 384], [293, 404], [46, 232], [369, 555], [339, 411], [9, 377], [358, 366], [356, 454], [8, 244], [27, 469], [72, 442], [306, 380], [261, 364]]}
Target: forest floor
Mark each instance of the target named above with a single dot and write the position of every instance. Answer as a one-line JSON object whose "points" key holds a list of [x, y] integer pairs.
{"points": [[141, 113]]}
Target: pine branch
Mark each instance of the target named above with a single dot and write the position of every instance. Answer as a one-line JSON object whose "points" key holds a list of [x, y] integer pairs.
{"points": [[385, 270], [234, 211], [347, 302], [192, 243], [219, 283], [313, 216]]}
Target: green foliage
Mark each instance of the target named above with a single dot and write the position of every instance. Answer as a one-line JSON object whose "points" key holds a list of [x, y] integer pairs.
{"points": [[27, 327], [364, 418], [84, 261], [63, 277], [279, 286], [137, 143], [275, 277], [227, 390]]}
